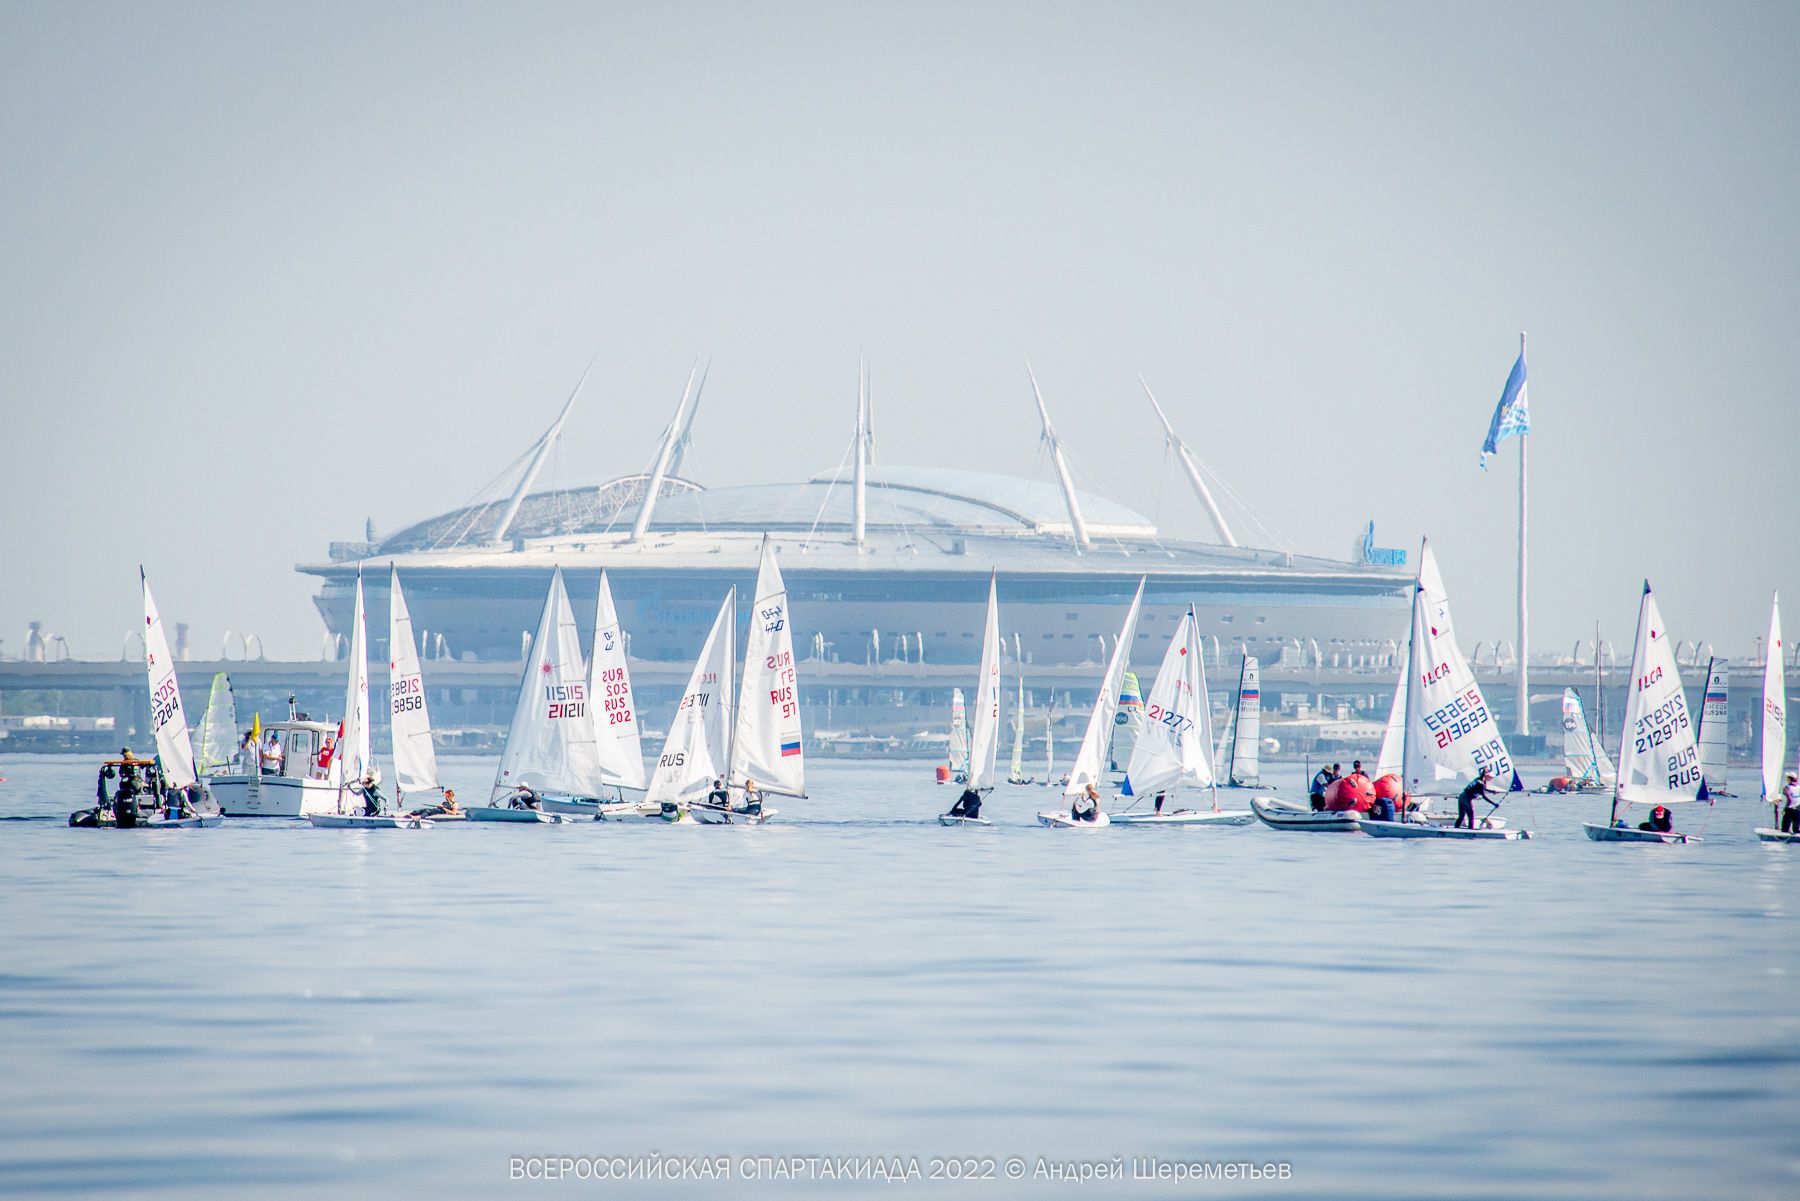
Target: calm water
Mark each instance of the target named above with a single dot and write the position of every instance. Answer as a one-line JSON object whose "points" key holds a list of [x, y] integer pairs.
{"points": [[280, 1010]]}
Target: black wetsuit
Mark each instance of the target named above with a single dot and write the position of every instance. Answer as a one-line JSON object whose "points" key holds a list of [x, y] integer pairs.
{"points": [[1465, 801], [967, 805]]}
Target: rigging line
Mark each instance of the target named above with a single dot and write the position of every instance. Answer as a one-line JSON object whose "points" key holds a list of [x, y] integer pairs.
{"points": [[836, 478], [472, 511]]}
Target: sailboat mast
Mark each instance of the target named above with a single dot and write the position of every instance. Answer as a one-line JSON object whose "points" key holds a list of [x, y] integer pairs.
{"points": [[1599, 694]]}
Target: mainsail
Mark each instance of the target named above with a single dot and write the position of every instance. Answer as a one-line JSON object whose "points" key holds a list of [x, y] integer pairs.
{"points": [[984, 738], [1393, 738], [1049, 741], [168, 721], [1774, 708], [1659, 763], [609, 681], [550, 745], [1175, 746], [1090, 760], [695, 753], [1583, 760], [351, 760], [409, 721], [765, 745], [217, 750], [959, 734], [1715, 724], [1451, 734], [1246, 738]]}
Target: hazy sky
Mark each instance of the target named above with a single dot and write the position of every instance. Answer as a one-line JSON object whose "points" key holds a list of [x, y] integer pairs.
{"points": [[267, 272]]}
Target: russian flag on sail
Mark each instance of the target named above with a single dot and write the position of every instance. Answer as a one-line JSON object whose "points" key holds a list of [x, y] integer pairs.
{"points": [[1512, 416], [790, 748]]}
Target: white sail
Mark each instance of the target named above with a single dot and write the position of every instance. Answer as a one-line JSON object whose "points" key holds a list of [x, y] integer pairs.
{"points": [[1659, 763], [1017, 769], [1090, 760], [352, 758], [959, 734], [984, 736], [168, 720], [1774, 708], [1393, 738], [695, 753], [1583, 760], [550, 745], [409, 721], [615, 711], [217, 749], [1715, 724], [1222, 753], [766, 744], [1451, 734], [1049, 743], [1175, 746], [1246, 738]]}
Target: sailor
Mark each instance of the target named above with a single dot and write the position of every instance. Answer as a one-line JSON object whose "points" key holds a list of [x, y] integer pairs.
{"points": [[1790, 805], [1659, 821], [446, 806], [371, 791], [753, 798], [1160, 797], [1465, 800], [1087, 806], [967, 805], [719, 795], [1356, 769], [526, 798], [1320, 782]]}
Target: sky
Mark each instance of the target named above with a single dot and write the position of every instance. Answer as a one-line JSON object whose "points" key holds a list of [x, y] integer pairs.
{"points": [[267, 272]]}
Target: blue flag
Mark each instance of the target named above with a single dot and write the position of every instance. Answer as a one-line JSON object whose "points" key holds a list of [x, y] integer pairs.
{"points": [[1512, 416]]}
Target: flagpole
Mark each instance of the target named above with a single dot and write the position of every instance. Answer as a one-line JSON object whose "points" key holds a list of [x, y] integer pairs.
{"points": [[1523, 725]]}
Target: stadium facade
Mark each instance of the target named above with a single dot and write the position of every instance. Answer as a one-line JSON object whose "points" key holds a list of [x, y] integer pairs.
{"points": [[881, 561]]}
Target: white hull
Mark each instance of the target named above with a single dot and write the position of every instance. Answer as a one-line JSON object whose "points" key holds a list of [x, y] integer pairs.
{"points": [[1428, 830], [1767, 834], [1449, 819], [712, 815], [1062, 821], [349, 821], [945, 819], [272, 796], [1285, 816], [493, 813], [179, 823], [1186, 817], [1632, 834]]}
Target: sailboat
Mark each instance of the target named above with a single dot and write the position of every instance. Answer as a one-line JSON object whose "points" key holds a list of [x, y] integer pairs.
{"points": [[217, 748], [1659, 763], [1175, 745], [959, 737], [695, 754], [1585, 764], [1016, 771], [1450, 736], [1089, 771], [352, 757], [767, 745], [1774, 728], [1050, 743], [1715, 726], [409, 719], [615, 718], [984, 735], [551, 748], [160, 800], [1243, 769]]}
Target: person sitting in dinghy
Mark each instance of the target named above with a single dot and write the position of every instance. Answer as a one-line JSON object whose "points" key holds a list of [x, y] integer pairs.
{"points": [[753, 798], [967, 805], [525, 797], [719, 795], [1659, 821], [1790, 805], [371, 793], [1087, 806], [447, 805]]}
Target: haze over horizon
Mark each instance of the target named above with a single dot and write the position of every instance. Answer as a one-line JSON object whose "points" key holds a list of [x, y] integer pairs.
{"points": [[273, 273]]}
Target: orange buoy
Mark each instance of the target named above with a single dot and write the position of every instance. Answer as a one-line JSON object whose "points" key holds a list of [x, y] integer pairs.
{"points": [[1350, 793]]}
